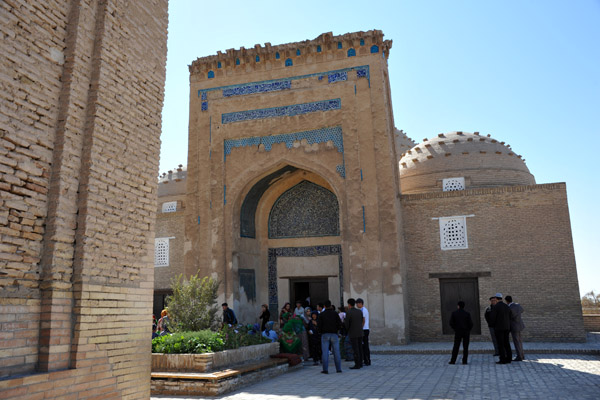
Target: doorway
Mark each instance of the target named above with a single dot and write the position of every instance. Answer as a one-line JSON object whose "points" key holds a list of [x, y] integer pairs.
{"points": [[315, 289], [451, 292]]}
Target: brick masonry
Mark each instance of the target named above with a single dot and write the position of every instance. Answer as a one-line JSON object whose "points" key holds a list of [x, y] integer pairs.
{"points": [[519, 237], [82, 89]]}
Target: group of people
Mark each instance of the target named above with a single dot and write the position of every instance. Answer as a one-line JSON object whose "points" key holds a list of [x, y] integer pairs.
{"points": [[503, 319]]}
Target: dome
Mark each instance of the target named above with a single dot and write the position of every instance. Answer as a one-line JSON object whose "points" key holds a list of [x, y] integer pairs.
{"points": [[461, 160]]}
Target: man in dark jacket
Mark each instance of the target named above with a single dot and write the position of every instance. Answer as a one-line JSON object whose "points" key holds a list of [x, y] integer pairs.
{"points": [[329, 324], [500, 319], [461, 322], [354, 325], [228, 315], [488, 311]]}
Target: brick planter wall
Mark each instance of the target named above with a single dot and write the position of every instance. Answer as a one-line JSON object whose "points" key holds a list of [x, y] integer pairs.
{"points": [[591, 322], [211, 361]]}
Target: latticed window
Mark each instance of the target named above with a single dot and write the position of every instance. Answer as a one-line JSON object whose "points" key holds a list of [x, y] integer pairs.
{"points": [[451, 184], [453, 233], [161, 252], [169, 206]]}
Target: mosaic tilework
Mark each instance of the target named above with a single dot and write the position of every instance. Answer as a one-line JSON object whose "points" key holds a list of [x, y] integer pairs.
{"points": [[204, 95], [204, 105], [362, 72], [337, 77], [314, 136], [305, 210], [351, 52], [285, 111], [341, 169], [312, 251], [256, 88]]}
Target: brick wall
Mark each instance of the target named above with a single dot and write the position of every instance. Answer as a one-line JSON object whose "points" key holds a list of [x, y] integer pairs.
{"points": [[82, 88], [591, 322], [520, 241]]}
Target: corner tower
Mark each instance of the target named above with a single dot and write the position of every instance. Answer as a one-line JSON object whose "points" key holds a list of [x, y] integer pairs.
{"points": [[292, 177]]}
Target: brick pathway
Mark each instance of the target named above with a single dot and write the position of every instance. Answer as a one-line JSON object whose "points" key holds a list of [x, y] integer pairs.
{"points": [[428, 376]]}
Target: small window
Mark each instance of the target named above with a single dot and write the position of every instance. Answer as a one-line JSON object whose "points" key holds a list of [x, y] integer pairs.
{"points": [[288, 62], [319, 49], [237, 61], [219, 64], [339, 45], [161, 252], [351, 52], [374, 49], [453, 233], [169, 206], [277, 56], [298, 52], [257, 59], [211, 74], [452, 184], [362, 42]]}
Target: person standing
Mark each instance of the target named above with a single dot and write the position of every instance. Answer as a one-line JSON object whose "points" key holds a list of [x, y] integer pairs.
{"points": [[516, 326], [461, 322], [354, 326], [264, 317], [360, 304], [299, 311], [329, 325], [488, 311], [500, 318]]}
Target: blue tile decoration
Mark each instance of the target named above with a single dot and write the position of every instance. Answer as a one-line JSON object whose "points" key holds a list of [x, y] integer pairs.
{"points": [[277, 56], [288, 62], [211, 74], [351, 52], [257, 59], [318, 48], [313, 251], [298, 52], [374, 49], [250, 203], [305, 210], [219, 64], [204, 95], [322, 135], [364, 220], [341, 169], [337, 77], [285, 111], [204, 106], [265, 86], [237, 61], [339, 45], [257, 88], [362, 42]]}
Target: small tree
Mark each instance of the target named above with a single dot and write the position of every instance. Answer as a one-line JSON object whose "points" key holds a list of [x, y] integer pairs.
{"points": [[193, 305]]}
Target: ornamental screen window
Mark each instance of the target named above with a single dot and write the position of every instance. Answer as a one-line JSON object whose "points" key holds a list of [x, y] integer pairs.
{"points": [[161, 252], [169, 206], [452, 184], [453, 233]]}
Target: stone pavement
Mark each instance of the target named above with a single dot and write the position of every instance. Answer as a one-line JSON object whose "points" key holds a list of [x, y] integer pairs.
{"points": [[428, 376]]}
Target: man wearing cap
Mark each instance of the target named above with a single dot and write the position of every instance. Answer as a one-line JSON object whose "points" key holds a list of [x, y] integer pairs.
{"points": [[516, 326], [488, 311], [500, 319], [360, 304]]}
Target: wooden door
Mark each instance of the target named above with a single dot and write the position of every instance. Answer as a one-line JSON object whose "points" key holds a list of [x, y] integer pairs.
{"points": [[454, 290]]}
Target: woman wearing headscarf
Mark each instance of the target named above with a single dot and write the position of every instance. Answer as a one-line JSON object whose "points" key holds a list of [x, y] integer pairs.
{"points": [[264, 317], [285, 314]]}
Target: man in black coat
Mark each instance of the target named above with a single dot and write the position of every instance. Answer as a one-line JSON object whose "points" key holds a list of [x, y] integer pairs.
{"points": [[354, 325], [461, 322], [500, 320]]}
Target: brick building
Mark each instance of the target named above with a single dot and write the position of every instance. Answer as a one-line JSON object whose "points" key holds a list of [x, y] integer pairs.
{"points": [[81, 95], [298, 185]]}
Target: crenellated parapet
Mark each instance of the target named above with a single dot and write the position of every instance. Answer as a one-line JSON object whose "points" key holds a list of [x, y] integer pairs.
{"points": [[325, 47]]}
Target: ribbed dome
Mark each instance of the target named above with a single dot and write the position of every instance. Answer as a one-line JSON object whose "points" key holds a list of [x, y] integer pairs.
{"points": [[482, 162]]}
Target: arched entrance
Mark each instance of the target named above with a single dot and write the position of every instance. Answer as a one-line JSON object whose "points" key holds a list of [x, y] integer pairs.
{"points": [[290, 236]]}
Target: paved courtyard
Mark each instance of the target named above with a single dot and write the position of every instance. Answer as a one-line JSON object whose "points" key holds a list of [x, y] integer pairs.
{"points": [[413, 376]]}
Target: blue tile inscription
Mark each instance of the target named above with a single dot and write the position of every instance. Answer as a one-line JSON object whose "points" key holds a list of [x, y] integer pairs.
{"points": [[285, 111]]}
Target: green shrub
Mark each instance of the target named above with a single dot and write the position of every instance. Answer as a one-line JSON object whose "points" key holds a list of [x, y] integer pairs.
{"points": [[240, 336], [193, 304], [205, 341]]}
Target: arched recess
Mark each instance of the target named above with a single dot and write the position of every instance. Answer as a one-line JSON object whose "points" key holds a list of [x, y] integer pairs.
{"points": [[271, 263]]}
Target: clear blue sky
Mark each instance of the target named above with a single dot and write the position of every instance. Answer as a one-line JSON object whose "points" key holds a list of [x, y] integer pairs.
{"points": [[526, 72]]}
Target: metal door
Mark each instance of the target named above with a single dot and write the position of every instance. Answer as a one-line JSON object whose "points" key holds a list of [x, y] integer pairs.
{"points": [[454, 290]]}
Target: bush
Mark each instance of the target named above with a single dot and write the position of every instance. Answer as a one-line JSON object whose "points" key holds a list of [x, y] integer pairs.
{"points": [[207, 341], [193, 305]]}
